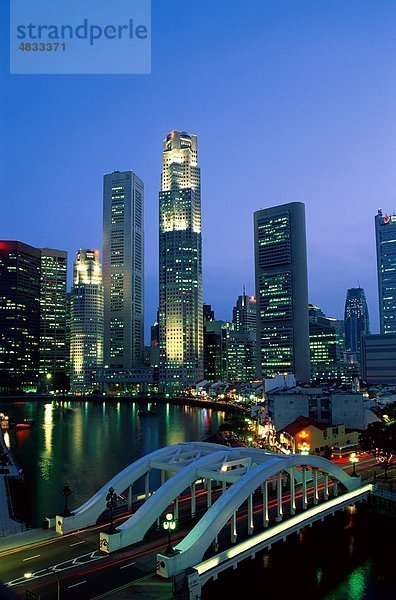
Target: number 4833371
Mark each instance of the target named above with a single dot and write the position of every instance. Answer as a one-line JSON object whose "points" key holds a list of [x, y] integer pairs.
{"points": [[43, 47]]}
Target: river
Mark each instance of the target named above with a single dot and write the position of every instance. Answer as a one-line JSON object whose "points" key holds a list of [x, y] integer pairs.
{"points": [[349, 557]]}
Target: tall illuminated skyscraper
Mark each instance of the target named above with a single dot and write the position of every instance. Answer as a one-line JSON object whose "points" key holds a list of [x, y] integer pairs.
{"points": [[20, 268], [385, 233], [53, 318], [282, 291], [180, 263], [86, 321], [123, 270]]}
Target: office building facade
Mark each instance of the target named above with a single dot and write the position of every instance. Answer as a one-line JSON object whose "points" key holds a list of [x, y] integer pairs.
{"points": [[20, 268], [180, 263], [282, 291], [326, 344], [53, 319], [123, 270], [356, 321], [244, 313], [379, 359], [86, 321], [385, 234]]}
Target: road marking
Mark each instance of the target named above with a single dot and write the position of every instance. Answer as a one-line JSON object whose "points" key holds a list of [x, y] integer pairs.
{"points": [[76, 543], [128, 565], [76, 584], [31, 557]]}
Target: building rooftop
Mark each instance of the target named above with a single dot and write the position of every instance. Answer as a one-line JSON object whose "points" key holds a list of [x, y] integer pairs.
{"points": [[302, 423]]}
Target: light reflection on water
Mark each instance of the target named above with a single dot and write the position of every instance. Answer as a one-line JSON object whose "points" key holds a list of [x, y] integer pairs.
{"points": [[86, 443]]}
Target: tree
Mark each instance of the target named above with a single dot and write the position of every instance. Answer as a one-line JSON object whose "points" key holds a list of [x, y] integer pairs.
{"points": [[380, 440]]}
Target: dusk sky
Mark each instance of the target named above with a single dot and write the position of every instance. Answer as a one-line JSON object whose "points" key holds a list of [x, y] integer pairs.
{"points": [[291, 101]]}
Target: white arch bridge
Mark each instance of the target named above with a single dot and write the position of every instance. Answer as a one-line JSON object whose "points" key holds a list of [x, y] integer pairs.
{"points": [[261, 485]]}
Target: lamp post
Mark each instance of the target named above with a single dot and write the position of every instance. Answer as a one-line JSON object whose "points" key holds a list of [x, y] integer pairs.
{"points": [[111, 503], [353, 459], [48, 378], [169, 525], [30, 575], [66, 492]]}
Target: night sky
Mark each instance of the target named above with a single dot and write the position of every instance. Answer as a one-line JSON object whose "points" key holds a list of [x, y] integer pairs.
{"points": [[291, 101]]}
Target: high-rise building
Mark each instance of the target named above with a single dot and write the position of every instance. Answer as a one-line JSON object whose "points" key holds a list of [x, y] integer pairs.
{"points": [[244, 313], [180, 263], [208, 314], [241, 356], [385, 233], [379, 359], [20, 267], [326, 342], [123, 270], [215, 350], [282, 291], [86, 321], [356, 320], [53, 318]]}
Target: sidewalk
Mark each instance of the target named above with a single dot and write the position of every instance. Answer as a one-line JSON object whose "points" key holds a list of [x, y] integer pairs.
{"points": [[25, 538]]}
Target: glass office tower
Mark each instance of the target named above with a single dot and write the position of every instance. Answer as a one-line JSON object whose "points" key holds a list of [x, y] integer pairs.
{"points": [[385, 233], [123, 270], [86, 321], [180, 263], [282, 291]]}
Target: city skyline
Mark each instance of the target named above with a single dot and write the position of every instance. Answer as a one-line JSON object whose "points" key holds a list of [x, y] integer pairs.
{"points": [[322, 150]]}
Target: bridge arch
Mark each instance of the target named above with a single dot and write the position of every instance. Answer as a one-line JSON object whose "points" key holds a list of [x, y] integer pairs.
{"points": [[89, 512], [193, 547]]}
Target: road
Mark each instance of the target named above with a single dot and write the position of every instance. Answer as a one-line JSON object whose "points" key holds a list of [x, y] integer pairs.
{"points": [[85, 572]]}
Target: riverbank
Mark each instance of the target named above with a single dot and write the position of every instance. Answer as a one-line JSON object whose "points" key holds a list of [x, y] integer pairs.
{"points": [[177, 400], [8, 525]]}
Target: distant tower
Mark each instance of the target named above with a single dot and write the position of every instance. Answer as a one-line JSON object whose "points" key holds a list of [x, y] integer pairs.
{"points": [[86, 321], [385, 233], [244, 313], [180, 263], [53, 317], [356, 319], [123, 270], [282, 291]]}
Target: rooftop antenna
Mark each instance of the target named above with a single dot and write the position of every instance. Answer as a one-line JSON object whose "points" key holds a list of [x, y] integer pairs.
{"points": [[358, 283]]}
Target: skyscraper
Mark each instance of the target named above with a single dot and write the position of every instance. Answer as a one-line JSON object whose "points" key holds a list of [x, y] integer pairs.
{"points": [[86, 321], [180, 263], [326, 342], [356, 320], [282, 291], [385, 233], [20, 267], [244, 313], [53, 318], [123, 270]]}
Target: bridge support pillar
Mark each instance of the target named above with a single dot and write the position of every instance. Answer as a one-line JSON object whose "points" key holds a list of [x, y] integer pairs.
{"points": [[292, 492], [315, 485], [335, 488], [304, 488], [326, 486], [234, 532], [279, 508], [273, 483], [216, 544], [223, 486], [250, 515], [163, 476], [129, 497], [193, 501], [209, 489], [264, 488], [147, 485]]}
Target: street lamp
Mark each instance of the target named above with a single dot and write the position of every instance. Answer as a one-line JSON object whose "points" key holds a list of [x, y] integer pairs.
{"points": [[30, 575], [353, 459], [169, 525], [111, 503], [66, 492]]}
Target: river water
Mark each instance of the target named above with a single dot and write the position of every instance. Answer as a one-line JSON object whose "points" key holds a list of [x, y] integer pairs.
{"points": [[85, 443]]}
